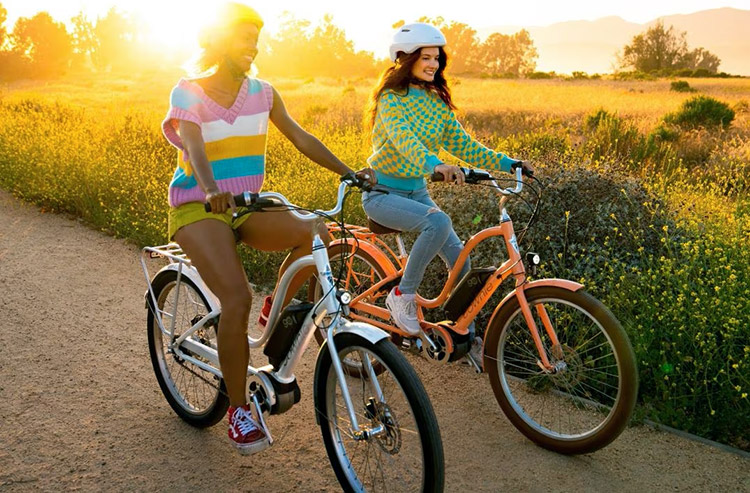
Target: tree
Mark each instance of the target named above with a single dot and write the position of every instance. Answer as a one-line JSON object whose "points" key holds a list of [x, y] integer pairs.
{"points": [[701, 58], [44, 43], [508, 53], [298, 49], [462, 47], [664, 49], [84, 41], [3, 18], [115, 41]]}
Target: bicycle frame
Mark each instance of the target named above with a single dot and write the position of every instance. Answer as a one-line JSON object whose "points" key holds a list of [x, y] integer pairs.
{"points": [[192, 350], [393, 264]]}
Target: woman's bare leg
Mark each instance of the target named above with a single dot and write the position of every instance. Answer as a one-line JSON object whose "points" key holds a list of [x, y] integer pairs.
{"points": [[276, 231], [211, 247]]}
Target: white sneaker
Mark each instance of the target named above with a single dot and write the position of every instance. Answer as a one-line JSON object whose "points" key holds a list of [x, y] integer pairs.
{"points": [[475, 356], [403, 310]]}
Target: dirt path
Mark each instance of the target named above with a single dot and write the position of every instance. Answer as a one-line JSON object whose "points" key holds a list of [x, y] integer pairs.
{"points": [[80, 407]]}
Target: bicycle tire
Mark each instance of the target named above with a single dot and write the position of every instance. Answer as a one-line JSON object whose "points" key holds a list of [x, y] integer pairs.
{"points": [[521, 387], [214, 401], [407, 409]]}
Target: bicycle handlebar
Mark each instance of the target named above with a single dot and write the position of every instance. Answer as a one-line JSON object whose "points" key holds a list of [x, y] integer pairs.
{"points": [[474, 176], [258, 201]]}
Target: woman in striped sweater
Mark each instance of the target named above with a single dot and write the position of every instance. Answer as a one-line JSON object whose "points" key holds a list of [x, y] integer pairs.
{"points": [[218, 122]]}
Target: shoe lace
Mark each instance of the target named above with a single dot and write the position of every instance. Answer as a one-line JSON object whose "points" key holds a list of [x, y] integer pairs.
{"points": [[410, 309], [244, 422]]}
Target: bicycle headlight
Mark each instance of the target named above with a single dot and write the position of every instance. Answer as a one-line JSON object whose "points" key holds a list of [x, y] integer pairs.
{"points": [[345, 297], [532, 262]]}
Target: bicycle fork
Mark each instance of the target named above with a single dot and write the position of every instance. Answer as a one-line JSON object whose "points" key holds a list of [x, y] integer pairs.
{"points": [[543, 362], [331, 305]]}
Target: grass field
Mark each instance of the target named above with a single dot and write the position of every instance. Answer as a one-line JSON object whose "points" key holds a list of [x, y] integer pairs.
{"points": [[653, 217]]}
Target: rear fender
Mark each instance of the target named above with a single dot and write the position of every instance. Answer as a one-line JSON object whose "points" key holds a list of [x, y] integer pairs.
{"points": [[191, 273], [367, 247]]}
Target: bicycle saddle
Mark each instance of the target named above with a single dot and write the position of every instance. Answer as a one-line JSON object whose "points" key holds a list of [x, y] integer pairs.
{"points": [[379, 229]]}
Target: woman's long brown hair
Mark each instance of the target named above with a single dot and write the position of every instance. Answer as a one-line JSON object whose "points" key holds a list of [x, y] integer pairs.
{"points": [[398, 77]]}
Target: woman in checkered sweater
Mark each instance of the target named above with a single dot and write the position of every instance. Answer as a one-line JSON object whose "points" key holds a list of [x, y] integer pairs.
{"points": [[412, 118]]}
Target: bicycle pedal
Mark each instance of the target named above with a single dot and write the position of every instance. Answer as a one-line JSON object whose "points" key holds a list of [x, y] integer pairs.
{"points": [[261, 420], [411, 345]]}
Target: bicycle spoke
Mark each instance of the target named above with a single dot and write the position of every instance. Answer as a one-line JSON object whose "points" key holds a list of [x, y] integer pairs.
{"points": [[570, 400]]}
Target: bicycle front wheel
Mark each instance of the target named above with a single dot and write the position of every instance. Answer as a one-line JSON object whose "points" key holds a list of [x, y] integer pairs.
{"points": [[197, 396], [586, 402], [402, 449]]}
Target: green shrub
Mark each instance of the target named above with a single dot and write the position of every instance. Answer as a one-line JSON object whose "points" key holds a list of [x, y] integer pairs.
{"points": [[681, 86], [702, 72], [634, 75], [702, 111], [598, 117], [613, 139], [541, 75], [664, 133]]}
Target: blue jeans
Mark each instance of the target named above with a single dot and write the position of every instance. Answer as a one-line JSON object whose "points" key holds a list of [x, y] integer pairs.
{"points": [[416, 212]]}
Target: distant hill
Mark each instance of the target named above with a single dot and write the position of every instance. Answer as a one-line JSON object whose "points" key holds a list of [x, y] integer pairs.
{"points": [[591, 46]]}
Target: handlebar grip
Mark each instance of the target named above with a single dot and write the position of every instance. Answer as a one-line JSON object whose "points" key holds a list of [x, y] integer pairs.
{"points": [[437, 177], [240, 200]]}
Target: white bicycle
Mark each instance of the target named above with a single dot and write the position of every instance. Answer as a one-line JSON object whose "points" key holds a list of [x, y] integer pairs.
{"points": [[379, 428]]}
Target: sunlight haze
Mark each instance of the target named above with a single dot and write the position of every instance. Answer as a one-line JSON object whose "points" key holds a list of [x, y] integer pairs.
{"points": [[169, 28], [172, 23]]}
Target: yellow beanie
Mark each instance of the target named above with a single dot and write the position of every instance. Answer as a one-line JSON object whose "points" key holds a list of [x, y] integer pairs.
{"points": [[228, 15]]}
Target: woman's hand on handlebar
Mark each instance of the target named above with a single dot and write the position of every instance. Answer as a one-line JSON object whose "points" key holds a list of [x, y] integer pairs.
{"points": [[220, 201], [450, 173], [526, 168], [367, 175]]}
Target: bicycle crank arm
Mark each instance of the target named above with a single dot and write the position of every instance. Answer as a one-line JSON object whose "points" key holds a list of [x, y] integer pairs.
{"points": [[262, 420], [426, 341]]}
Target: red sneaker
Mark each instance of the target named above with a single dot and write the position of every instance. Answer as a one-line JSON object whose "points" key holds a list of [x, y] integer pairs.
{"points": [[244, 433], [265, 311]]}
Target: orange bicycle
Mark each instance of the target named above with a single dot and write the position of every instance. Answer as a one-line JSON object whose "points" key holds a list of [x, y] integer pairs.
{"points": [[560, 364]]}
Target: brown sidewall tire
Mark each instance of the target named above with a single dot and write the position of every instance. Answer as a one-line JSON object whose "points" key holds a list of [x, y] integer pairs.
{"points": [[621, 347]]}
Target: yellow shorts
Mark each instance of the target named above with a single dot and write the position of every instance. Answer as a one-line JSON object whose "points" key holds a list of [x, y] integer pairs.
{"points": [[193, 212]]}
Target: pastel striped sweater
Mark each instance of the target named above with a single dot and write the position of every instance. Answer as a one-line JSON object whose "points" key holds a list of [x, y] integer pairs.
{"points": [[235, 138], [410, 131]]}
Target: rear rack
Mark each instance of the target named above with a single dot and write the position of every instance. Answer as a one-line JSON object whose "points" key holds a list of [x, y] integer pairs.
{"points": [[171, 251]]}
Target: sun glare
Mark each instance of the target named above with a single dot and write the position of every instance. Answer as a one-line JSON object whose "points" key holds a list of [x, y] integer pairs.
{"points": [[174, 30]]}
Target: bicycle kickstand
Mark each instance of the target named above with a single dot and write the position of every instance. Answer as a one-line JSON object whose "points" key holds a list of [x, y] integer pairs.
{"points": [[473, 363]]}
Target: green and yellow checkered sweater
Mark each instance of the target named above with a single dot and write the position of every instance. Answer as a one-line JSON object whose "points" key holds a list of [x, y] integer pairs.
{"points": [[409, 132]]}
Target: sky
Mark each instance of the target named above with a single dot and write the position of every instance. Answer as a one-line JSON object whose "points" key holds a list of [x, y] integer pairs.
{"points": [[367, 24]]}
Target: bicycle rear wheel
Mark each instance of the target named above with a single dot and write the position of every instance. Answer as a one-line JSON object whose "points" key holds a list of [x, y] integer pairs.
{"points": [[587, 402], [405, 451], [197, 396]]}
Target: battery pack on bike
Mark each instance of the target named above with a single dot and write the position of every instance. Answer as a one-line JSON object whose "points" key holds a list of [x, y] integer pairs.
{"points": [[284, 332], [467, 291]]}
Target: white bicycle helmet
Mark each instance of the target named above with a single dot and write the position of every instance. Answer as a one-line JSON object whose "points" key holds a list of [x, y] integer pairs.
{"points": [[411, 37]]}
